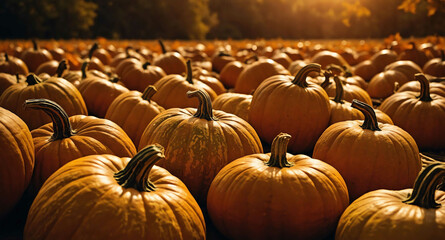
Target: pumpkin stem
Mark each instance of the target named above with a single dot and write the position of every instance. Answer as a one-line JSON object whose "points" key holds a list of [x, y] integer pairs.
{"points": [[17, 77], [423, 194], [424, 88], [162, 46], [204, 110], [92, 49], [278, 151], [127, 52], [413, 45], [136, 173], [223, 54], [6, 57], [145, 65], [189, 75], [35, 46], [396, 86], [338, 90], [32, 79], [62, 67], [252, 58], [61, 123], [300, 78], [84, 69], [149, 91], [327, 75], [370, 122], [114, 79]]}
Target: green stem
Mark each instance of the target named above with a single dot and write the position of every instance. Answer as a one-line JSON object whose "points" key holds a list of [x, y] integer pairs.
{"points": [[370, 121], [137, 172], [424, 190], [145, 65], [338, 90], [61, 123], [300, 78], [204, 110], [278, 151], [32, 79], [149, 91], [424, 88], [6, 57], [92, 49], [62, 67], [83, 69], [162, 46], [189, 77], [35, 46]]}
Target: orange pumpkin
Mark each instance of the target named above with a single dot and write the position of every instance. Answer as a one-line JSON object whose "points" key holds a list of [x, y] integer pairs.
{"points": [[35, 56], [170, 62], [382, 84], [414, 54], [435, 66], [415, 86], [235, 103], [366, 70], [408, 68], [131, 199], [326, 58], [383, 58], [12, 65], [139, 78], [7, 80]]}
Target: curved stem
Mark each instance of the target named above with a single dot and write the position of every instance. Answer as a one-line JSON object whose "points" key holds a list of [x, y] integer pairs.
{"points": [[189, 76], [327, 75], [114, 79], [424, 190], [6, 57], [92, 49], [145, 65], [61, 123], [370, 122], [17, 77], [223, 54], [413, 45], [149, 91], [204, 110], [62, 67], [35, 46], [137, 172], [278, 151], [83, 69], [127, 52], [32, 79], [338, 90], [251, 59], [300, 78], [162, 46], [424, 88]]}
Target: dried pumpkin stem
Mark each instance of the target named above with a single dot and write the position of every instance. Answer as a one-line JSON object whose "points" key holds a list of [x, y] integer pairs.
{"points": [[424, 190], [189, 76], [204, 110], [370, 122], [61, 123], [62, 67], [6, 57], [32, 79], [338, 90], [35, 46], [278, 151], [424, 88], [136, 173], [300, 78], [145, 65], [162, 46], [149, 91], [114, 79], [84, 69], [92, 49], [17, 77]]}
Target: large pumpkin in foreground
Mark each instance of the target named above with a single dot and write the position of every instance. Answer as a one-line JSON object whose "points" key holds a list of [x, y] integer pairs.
{"points": [[107, 197], [409, 214], [277, 196]]}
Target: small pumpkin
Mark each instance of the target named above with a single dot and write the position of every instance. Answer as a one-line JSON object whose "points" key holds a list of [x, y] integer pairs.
{"points": [[229, 74], [7, 80], [139, 78], [436, 66], [220, 60], [35, 56], [414, 54], [49, 67], [366, 70], [383, 58], [326, 58], [415, 86], [235, 103], [130, 198], [13, 65], [170, 62], [409, 68], [382, 84]]}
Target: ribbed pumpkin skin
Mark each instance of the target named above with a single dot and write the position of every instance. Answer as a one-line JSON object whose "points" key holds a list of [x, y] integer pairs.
{"points": [[13, 65], [139, 78], [6, 80], [133, 113], [16, 159], [197, 148], [414, 86], [235, 103], [56, 89], [91, 136], [34, 57], [250, 200], [344, 112], [350, 93], [382, 84], [171, 63], [278, 105], [381, 214], [367, 159], [82, 200]]}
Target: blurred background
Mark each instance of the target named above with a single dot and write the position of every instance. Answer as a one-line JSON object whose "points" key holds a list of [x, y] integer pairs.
{"points": [[220, 19]]}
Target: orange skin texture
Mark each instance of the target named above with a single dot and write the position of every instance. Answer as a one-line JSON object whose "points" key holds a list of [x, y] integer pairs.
{"points": [[92, 136], [235, 103], [415, 55], [213, 83], [33, 58], [49, 67], [82, 200], [99, 94], [219, 62], [350, 92], [381, 214], [325, 58], [171, 63], [133, 113], [17, 159], [343, 112], [409, 68], [278, 105], [357, 81], [382, 84], [283, 59], [196, 149], [254, 74], [250, 200], [366, 70], [383, 58], [6, 80], [229, 74], [138, 78], [370, 160], [172, 92], [414, 86], [13, 66], [422, 120], [435, 67], [58, 90], [126, 65]]}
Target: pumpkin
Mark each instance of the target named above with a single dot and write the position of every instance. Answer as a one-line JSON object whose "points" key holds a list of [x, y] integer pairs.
{"points": [[383, 58], [128, 53], [409, 214], [7, 80], [408, 68], [35, 56], [170, 62], [295, 66], [126, 65], [128, 198], [139, 78], [282, 58], [172, 90], [94, 62], [199, 142], [229, 74], [103, 55], [295, 196], [369, 155], [49, 67], [413, 54], [54, 88], [57, 53], [415, 86], [133, 111], [295, 106], [69, 138], [420, 115], [12, 65], [210, 79], [326, 58], [382, 84], [254, 74], [435, 66], [235, 103], [352, 79], [17, 160], [366, 70], [220, 60]]}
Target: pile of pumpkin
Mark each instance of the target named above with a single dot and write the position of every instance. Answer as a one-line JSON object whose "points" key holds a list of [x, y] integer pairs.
{"points": [[143, 142]]}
